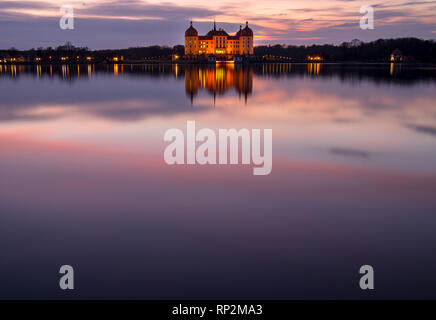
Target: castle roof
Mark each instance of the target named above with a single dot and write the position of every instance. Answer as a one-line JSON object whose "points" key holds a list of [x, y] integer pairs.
{"points": [[191, 31], [219, 32], [246, 32], [215, 32]]}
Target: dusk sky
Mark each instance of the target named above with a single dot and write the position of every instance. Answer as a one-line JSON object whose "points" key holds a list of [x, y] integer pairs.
{"points": [[118, 24]]}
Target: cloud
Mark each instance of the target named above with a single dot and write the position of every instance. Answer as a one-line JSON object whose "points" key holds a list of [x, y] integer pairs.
{"points": [[140, 9], [115, 24], [424, 129]]}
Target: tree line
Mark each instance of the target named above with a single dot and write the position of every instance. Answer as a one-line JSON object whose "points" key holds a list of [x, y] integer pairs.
{"points": [[412, 49]]}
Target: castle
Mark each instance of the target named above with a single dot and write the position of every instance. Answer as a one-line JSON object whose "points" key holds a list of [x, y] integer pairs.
{"points": [[219, 43]]}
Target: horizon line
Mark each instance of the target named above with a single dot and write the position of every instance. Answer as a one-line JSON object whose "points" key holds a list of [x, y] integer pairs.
{"points": [[260, 45]]}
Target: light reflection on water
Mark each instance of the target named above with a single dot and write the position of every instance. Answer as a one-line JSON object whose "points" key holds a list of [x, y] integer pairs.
{"points": [[84, 182]]}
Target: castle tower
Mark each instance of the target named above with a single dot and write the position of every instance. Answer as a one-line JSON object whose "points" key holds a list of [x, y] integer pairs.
{"points": [[191, 41]]}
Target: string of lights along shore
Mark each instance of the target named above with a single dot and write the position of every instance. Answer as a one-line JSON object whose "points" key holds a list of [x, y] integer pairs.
{"points": [[219, 43]]}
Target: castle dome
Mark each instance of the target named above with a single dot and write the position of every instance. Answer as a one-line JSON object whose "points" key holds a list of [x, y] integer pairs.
{"points": [[191, 31], [219, 32], [215, 32], [246, 32]]}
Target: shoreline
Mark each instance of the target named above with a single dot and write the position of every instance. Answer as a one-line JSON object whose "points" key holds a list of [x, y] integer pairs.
{"points": [[244, 63]]}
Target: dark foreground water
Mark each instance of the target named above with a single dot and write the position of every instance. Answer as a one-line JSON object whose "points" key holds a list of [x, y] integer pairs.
{"points": [[83, 182]]}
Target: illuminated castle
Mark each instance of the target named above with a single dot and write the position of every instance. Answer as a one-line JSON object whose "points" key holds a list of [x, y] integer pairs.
{"points": [[218, 42]]}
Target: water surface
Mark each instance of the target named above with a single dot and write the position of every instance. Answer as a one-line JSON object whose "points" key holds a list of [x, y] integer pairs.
{"points": [[83, 182]]}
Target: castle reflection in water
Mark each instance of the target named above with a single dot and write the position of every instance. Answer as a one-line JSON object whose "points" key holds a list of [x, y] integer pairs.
{"points": [[218, 80], [221, 78]]}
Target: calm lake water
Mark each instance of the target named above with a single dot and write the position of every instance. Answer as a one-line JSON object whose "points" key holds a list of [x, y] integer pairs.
{"points": [[83, 182]]}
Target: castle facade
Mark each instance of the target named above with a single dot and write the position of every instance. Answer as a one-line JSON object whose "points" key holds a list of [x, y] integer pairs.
{"points": [[219, 43]]}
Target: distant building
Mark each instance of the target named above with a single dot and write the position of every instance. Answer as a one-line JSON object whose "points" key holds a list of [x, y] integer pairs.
{"points": [[219, 42], [396, 56], [316, 58], [117, 58], [13, 59]]}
